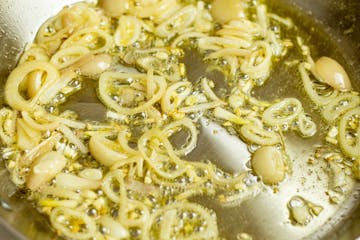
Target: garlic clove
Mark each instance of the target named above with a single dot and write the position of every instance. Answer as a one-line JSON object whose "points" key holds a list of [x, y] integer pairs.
{"points": [[332, 73], [91, 65], [114, 8], [105, 151], [268, 163], [45, 168], [224, 11]]}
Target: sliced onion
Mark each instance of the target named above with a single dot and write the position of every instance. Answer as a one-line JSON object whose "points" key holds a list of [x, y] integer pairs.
{"points": [[339, 106], [116, 193], [258, 135], [61, 218], [175, 126], [350, 146], [71, 137], [223, 114], [179, 21], [18, 75], [306, 126], [128, 31], [283, 112], [311, 91], [73, 182]]}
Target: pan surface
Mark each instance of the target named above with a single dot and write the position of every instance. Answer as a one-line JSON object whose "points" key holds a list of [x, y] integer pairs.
{"points": [[330, 28]]}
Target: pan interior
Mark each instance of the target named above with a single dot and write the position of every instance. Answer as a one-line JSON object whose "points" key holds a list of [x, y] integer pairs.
{"points": [[266, 216]]}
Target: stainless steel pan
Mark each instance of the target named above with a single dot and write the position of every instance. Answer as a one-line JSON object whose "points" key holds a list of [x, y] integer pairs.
{"points": [[332, 28]]}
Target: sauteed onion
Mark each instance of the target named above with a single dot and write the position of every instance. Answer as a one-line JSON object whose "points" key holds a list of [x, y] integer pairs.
{"points": [[125, 177]]}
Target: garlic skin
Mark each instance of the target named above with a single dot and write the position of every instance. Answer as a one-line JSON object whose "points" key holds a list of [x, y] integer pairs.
{"points": [[332, 73], [268, 163], [225, 10]]}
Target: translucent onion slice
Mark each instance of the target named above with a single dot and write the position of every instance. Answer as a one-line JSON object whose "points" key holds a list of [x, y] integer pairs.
{"points": [[96, 40], [34, 52], [114, 187], [67, 56], [185, 36], [27, 137], [311, 90], [123, 139], [166, 227], [257, 64], [221, 113], [175, 126], [50, 91], [339, 106], [228, 52], [306, 126], [158, 10], [18, 76], [73, 182], [83, 226], [209, 92], [71, 137], [283, 112], [38, 126], [258, 135], [179, 21], [218, 43], [170, 166], [61, 193], [134, 214], [175, 95], [107, 78], [34, 83], [7, 125], [128, 31], [349, 133]]}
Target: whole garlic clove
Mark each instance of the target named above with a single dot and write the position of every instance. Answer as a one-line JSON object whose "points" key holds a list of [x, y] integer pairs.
{"points": [[268, 163], [332, 73], [224, 11], [45, 168]]}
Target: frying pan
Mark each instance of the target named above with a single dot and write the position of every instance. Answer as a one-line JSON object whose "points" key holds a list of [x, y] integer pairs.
{"points": [[330, 27]]}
